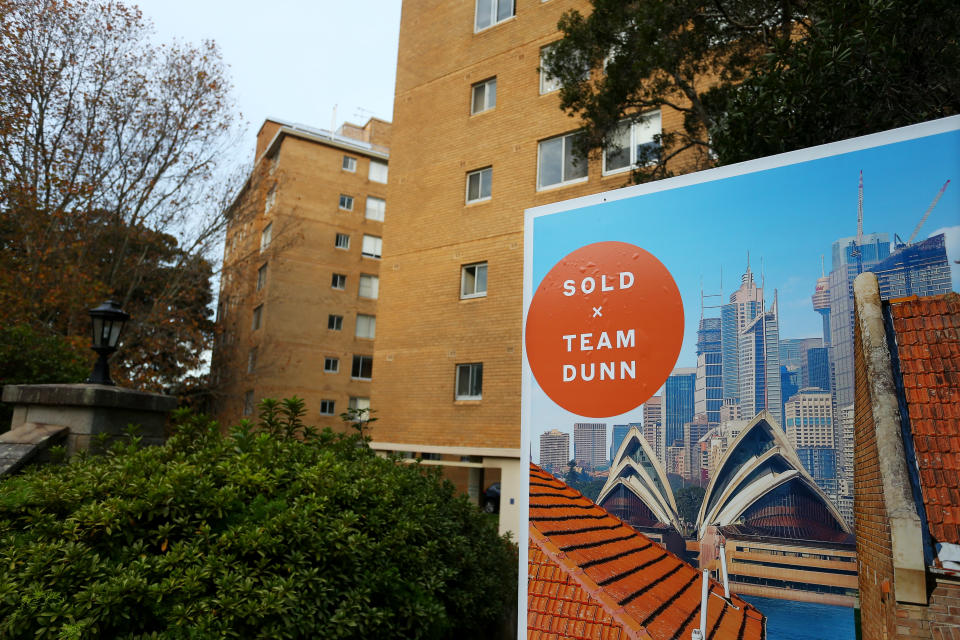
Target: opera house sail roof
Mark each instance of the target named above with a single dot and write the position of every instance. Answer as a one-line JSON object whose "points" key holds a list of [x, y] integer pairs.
{"points": [[761, 488], [637, 490]]}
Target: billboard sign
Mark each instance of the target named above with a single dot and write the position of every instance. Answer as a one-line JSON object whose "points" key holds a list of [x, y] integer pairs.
{"points": [[721, 292]]}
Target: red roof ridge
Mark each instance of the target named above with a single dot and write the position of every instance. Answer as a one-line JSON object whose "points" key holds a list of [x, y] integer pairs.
{"points": [[647, 591]]}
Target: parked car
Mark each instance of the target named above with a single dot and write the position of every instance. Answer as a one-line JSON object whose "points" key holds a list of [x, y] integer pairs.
{"points": [[491, 498]]}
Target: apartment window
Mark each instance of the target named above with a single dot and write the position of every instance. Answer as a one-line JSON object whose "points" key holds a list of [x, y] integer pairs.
{"points": [[362, 367], [327, 406], [359, 403], [252, 360], [559, 161], [331, 365], [342, 241], [257, 317], [473, 280], [491, 12], [376, 207], [334, 322], [633, 144], [483, 96], [479, 185], [469, 381], [262, 277], [346, 202], [271, 199], [549, 83], [266, 236], [372, 246], [339, 281], [366, 326], [349, 164], [378, 171], [248, 403], [369, 286]]}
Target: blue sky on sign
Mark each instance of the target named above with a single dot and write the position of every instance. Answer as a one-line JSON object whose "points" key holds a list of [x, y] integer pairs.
{"points": [[785, 217]]}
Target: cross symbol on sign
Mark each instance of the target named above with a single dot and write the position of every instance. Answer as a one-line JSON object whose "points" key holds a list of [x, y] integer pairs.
{"points": [[596, 312]]}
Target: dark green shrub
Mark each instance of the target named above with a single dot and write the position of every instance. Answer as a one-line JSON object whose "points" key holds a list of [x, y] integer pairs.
{"points": [[276, 532]]}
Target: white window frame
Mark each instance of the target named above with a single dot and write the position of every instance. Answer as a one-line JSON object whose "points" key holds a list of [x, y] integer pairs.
{"points": [[376, 208], [257, 321], [362, 357], [336, 321], [331, 364], [378, 169], [262, 276], [488, 99], [266, 237], [369, 327], [567, 145], [349, 164], [338, 282], [271, 199], [548, 83], [346, 202], [372, 247], [638, 135], [374, 286], [342, 241], [480, 174], [359, 403], [493, 13], [330, 405], [464, 294], [472, 368]]}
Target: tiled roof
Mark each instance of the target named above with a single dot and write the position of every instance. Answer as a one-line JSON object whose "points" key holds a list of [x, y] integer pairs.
{"points": [[928, 345], [592, 576]]}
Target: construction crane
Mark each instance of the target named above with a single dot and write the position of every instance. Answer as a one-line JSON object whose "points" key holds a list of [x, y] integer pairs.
{"points": [[927, 213]]}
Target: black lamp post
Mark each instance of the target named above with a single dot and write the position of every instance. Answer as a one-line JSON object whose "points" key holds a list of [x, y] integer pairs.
{"points": [[108, 320]]}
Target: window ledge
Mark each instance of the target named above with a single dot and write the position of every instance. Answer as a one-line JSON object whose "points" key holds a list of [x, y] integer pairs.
{"points": [[561, 185], [467, 401], [470, 203], [474, 296], [477, 32]]}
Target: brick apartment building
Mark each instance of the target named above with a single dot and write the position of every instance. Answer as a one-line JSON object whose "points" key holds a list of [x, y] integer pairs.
{"points": [[907, 465], [298, 297], [478, 138]]}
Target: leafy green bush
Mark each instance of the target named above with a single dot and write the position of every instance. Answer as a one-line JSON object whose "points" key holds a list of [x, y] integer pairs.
{"points": [[276, 532]]}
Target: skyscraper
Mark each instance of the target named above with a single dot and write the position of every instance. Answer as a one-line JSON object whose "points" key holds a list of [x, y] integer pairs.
{"points": [[850, 258], [758, 353], [678, 403], [619, 433], [653, 425], [818, 369], [708, 390], [745, 304], [554, 450], [590, 444], [919, 269]]}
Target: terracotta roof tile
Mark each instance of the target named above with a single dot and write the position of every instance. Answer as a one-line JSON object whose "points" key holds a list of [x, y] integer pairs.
{"points": [[593, 576], [928, 347]]}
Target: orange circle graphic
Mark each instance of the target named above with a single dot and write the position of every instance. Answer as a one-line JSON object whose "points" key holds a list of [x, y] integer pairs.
{"points": [[604, 329]]}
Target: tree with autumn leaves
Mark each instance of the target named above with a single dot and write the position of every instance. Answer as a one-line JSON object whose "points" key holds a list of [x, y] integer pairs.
{"points": [[111, 183]]}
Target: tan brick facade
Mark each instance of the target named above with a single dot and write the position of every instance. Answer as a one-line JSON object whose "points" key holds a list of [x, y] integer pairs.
{"points": [[425, 329], [295, 188]]}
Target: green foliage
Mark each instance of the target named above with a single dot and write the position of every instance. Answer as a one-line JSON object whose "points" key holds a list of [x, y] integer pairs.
{"points": [[589, 486], [275, 531], [28, 357], [752, 78], [688, 501]]}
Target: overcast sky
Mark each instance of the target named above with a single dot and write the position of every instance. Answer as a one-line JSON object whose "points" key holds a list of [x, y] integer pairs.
{"points": [[295, 59]]}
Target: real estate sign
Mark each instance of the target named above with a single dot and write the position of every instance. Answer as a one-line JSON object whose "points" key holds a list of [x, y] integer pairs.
{"points": [[656, 290]]}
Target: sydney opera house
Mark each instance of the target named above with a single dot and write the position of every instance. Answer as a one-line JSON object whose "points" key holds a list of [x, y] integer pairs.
{"points": [[781, 534]]}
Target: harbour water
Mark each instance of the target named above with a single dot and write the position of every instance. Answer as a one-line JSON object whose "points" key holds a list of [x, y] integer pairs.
{"points": [[789, 620]]}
